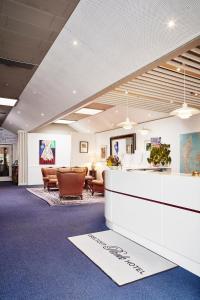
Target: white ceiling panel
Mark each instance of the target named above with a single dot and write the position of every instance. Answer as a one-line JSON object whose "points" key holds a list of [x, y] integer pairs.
{"points": [[115, 38]]}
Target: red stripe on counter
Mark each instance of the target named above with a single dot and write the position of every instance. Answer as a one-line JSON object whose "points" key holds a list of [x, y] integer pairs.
{"points": [[155, 201]]}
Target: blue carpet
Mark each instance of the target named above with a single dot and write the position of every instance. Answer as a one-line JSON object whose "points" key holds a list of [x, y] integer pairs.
{"points": [[37, 262]]}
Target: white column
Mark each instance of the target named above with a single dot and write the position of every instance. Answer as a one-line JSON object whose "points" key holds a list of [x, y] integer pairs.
{"points": [[23, 158]]}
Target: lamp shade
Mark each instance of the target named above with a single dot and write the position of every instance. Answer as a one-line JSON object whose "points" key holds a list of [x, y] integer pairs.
{"points": [[185, 112]]}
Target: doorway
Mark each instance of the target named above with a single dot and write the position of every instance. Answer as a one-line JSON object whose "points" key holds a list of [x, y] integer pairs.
{"points": [[5, 162]]}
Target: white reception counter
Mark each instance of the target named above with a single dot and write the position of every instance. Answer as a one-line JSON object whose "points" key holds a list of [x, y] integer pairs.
{"points": [[160, 211]]}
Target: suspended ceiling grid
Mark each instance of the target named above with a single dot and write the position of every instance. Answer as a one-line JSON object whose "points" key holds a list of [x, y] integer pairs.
{"points": [[115, 38], [28, 28]]}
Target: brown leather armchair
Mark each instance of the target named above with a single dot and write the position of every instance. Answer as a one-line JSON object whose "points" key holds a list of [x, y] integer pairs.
{"points": [[98, 185], [70, 183], [49, 177]]}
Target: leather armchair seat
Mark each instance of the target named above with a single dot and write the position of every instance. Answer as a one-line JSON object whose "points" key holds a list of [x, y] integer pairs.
{"points": [[98, 185], [70, 183], [49, 178]]}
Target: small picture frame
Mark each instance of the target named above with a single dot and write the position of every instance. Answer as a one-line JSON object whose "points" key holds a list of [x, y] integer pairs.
{"points": [[147, 145], [103, 152], [83, 147]]}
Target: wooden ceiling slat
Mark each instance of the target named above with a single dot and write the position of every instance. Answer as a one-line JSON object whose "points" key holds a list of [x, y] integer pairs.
{"points": [[176, 79], [167, 87], [190, 69], [142, 103], [173, 67], [191, 56], [176, 74], [196, 50], [187, 62], [159, 90], [154, 86], [171, 81], [150, 80], [161, 96]]}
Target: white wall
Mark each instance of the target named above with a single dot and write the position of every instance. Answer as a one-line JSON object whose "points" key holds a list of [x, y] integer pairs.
{"points": [[169, 129], [76, 158], [63, 154]]}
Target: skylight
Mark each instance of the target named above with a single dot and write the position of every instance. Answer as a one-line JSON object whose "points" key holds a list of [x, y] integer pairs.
{"points": [[7, 101], [88, 111]]}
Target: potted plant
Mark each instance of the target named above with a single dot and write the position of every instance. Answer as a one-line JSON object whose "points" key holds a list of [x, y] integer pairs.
{"points": [[160, 155], [113, 162]]}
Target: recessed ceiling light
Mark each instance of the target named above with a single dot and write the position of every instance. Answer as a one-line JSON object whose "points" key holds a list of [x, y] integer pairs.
{"points": [[88, 111], [171, 24], [7, 102], [63, 122], [75, 42], [42, 114], [74, 92], [126, 92], [178, 69], [196, 94]]}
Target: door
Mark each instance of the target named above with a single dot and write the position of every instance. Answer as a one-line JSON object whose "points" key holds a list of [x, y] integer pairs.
{"points": [[5, 162]]}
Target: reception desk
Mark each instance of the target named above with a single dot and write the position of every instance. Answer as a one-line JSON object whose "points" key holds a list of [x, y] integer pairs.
{"points": [[160, 211]]}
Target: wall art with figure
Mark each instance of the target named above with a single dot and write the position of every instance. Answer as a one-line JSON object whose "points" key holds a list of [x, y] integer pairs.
{"points": [[47, 152]]}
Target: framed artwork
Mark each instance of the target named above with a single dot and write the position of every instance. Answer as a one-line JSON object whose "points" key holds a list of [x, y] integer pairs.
{"points": [[123, 144], [47, 152], [103, 152], [83, 147], [147, 145], [190, 152]]}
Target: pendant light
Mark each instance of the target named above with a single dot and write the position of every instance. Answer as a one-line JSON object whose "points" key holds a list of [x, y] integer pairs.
{"points": [[127, 124], [185, 112]]}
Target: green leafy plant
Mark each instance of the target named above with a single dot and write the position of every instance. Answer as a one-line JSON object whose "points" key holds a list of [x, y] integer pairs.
{"points": [[160, 155]]}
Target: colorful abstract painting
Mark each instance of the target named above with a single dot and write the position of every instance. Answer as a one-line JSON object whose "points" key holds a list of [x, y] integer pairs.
{"points": [[190, 152], [47, 152]]}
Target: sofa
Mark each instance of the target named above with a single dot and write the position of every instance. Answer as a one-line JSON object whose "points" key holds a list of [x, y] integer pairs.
{"points": [[49, 175]]}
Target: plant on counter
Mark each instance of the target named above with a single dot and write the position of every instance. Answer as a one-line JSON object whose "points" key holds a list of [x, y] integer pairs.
{"points": [[160, 155], [113, 161]]}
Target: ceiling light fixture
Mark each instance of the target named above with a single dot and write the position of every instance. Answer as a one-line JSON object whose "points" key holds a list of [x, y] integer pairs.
{"points": [[7, 102], [74, 92], [88, 111], [66, 122], [184, 112], [143, 131], [75, 43], [127, 124], [42, 114], [171, 24], [178, 69]]}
